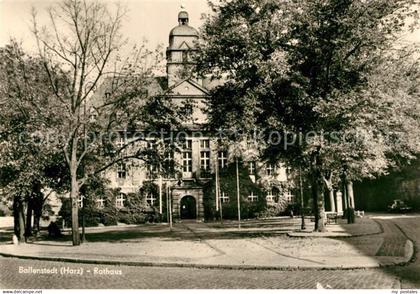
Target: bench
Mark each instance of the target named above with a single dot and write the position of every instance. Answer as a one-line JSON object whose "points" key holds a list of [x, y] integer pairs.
{"points": [[359, 213], [332, 217]]}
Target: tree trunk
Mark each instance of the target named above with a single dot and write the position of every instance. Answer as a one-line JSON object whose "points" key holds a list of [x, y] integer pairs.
{"points": [[16, 215], [318, 205], [74, 196], [21, 220], [318, 194], [350, 194], [320, 221], [344, 194], [332, 201], [28, 230], [37, 204]]}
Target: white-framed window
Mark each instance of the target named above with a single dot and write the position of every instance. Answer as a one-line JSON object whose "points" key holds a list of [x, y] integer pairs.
{"points": [[270, 169], [205, 160], [121, 142], [107, 95], [205, 144], [151, 199], [121, 171], [222, 157], [224, 198], [187, 161], [270, 197], [187, 145], [252, 197], [119, 201], [100, 202], [251, 168], [80, 201], [289, 197]]}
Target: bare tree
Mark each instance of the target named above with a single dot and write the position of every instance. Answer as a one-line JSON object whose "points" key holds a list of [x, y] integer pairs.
{"points": [[84, 39]]}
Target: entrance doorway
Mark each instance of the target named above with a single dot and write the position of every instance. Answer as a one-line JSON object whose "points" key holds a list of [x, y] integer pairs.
{"points": [[188, 208]]}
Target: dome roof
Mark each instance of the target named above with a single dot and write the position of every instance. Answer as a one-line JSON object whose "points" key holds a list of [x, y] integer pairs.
{"points": [[183, 30], [182, 14]]}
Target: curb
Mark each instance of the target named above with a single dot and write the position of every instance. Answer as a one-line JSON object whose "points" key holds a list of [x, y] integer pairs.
{"points": [[410, 247], [381, 231], [202, 266]]}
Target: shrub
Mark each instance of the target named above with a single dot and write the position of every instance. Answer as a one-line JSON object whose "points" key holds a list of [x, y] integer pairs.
{"points": [[228, 185], [92, 217], [273, 210]]}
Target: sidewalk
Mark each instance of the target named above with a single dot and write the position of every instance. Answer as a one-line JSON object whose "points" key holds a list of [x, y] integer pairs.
{"points": [[257, 245]]}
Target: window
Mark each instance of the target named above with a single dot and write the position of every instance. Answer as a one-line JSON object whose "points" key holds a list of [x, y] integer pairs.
{"points": [[224, 198], [270, 169], [252, 197], [169, 163], [119, 201], [270, 197], [107, 95], [222, 157], [151, 199], [187, 145], [121, 171], [151, 170], [120, 142], [289, 198], [205, 144], [205, 160], [251, 168], [187, 161], [100, 202], [80, 201]]}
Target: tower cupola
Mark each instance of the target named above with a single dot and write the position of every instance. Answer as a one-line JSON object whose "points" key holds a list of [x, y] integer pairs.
{"points": [[183, 18]]}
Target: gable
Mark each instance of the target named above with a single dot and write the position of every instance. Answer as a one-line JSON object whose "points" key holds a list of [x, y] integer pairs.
{"points": [[188, 88], [184, 45]]}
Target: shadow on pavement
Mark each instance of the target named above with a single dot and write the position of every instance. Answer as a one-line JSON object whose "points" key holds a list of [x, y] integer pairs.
{"points": [[409, 226]]}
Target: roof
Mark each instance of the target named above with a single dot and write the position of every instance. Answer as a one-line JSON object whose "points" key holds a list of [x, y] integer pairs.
{"points": [[183, 30]]}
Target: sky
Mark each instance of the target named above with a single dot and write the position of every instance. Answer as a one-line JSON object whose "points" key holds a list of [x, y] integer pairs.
{"points": [[146, 19]]}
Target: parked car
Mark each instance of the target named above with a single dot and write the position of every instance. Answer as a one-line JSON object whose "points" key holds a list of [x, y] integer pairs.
{"points": [[399, 206]]}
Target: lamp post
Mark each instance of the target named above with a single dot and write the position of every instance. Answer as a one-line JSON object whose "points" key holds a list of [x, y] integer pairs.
{"points": [[160, 191], [238, 193], [170, 207], [302, 213]]}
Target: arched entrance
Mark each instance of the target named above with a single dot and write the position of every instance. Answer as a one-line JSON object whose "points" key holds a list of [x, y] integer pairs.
{"points": [[188, 208]]}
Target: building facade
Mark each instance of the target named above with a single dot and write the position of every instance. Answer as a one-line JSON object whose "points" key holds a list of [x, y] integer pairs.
{"points": [[200, 156]]}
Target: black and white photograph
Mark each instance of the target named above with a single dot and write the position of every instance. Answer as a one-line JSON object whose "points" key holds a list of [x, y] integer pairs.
{"points": [[209, 144]]}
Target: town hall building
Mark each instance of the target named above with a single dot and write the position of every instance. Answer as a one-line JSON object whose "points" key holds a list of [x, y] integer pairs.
{"points": [[199, 157]]}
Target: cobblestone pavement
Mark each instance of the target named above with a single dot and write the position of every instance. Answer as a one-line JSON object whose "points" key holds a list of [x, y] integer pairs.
{"points": [[394, 240], [185, 278], [409, 275]]}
